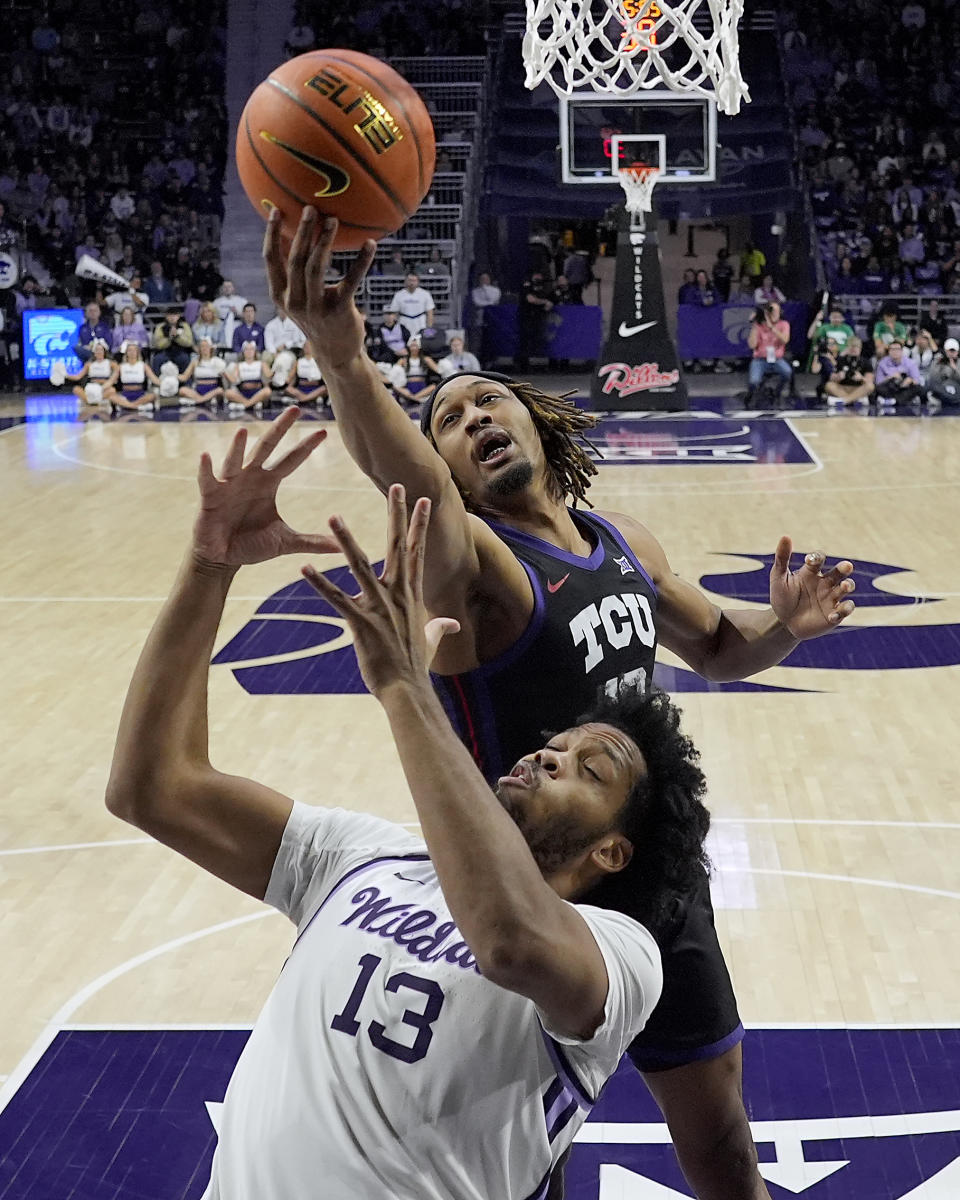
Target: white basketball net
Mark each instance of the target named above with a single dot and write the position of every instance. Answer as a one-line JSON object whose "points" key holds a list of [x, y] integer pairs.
{"points": [[622, 46], [638, 184]]}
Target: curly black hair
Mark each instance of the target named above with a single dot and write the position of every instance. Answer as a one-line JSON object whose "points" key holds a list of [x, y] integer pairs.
{"points": [[664, 816]]}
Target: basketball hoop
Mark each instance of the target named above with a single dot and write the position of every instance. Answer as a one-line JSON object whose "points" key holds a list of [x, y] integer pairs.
{"points": [[638, 181], [618, 47]]}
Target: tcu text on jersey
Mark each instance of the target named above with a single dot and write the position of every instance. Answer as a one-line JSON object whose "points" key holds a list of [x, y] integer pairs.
{"points": [[613, 621]]}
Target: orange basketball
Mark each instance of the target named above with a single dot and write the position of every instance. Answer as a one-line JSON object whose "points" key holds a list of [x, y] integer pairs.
{"points": [[341, 131]]}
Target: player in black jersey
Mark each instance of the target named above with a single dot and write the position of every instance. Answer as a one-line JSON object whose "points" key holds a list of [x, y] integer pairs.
{"points": [[554, 603]]}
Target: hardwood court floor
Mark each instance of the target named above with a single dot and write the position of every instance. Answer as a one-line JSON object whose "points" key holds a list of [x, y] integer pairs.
{"points": [[836, 802]]}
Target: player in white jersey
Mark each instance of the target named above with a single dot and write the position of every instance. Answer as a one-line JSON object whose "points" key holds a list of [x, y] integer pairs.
{"points": [[446, 1017]]}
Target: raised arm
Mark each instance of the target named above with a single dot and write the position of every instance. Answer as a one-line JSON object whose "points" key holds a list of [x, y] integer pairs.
{"points": [[161, 779], [732, 643], [379, 436]]}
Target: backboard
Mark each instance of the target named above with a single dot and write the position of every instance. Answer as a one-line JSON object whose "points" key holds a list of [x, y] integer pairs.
{"points": [[678, 133]]}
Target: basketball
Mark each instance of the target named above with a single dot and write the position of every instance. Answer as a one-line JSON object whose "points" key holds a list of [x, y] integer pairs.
{"points": [[341, 131]]}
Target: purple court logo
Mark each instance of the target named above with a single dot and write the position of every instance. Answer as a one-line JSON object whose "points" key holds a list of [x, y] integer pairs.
{"points": [[837, 1114], [297, 644]]}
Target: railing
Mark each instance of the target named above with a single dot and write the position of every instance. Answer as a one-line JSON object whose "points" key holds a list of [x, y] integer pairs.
{"points": [[379, 290], [450, 97], [465, 68], [462, 123], [448, 187], [863, 309]]}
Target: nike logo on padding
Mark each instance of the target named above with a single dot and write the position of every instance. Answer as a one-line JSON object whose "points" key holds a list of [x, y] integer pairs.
{"points": [[555, 587], [629, 330], [336, 180]]}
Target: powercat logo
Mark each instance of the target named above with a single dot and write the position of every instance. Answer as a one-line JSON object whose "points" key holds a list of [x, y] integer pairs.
{"points": [[627, 380]]}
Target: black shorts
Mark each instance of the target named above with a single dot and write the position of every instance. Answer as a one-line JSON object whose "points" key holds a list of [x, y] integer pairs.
{"points": [[696, 1017]]}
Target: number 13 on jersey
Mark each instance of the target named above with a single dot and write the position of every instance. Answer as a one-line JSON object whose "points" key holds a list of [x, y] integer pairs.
{"points": [[420, 1019]]}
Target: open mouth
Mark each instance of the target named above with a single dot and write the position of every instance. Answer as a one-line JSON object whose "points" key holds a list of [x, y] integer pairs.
{"points": [[493, 447], [522, 775]]}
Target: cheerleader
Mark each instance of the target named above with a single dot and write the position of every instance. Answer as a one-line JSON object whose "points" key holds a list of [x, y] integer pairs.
{"points": [[97, 375], [307, 385], [421, 371], [134, 377], [204, 374], [249, 380]]}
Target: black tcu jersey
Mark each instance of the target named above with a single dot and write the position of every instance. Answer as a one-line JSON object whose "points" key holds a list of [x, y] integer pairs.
{"points": [[592, 625]]}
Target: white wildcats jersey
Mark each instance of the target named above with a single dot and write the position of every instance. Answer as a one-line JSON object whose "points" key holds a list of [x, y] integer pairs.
{"points": [[384, 1066]]}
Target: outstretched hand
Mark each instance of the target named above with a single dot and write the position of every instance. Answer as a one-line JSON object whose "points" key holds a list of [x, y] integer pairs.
{"points": [[807, 602], [393, 640], [238, 522], [326, 313]]}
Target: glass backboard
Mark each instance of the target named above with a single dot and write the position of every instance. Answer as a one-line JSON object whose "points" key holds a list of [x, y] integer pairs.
{"points": [[599, 133]]}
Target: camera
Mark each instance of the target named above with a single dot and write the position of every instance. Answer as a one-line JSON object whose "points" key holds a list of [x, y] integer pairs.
{"points": [[760, 313]]}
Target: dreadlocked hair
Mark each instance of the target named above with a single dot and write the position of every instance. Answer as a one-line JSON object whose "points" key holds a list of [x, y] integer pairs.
{"points": [[664, 816], [560, 425]]}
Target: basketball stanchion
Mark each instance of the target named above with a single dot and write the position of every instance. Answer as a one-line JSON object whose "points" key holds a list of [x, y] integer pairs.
{"points": [[618, 47]]}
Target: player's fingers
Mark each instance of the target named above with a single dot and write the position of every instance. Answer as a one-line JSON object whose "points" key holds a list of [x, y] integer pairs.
{"points": [[205, 475], [299, 454], [297, 259], [416, 546], [358, 562], [233, 462], [436, 630], [319, 262], [345, 605], [394, 567], [840, 572], [814, 561], [275, 431], [844, 588], [781, 556], [358, 268], [274, 260], [841, 612]]}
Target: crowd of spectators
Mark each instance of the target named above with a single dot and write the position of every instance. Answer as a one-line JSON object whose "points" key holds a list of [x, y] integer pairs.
{"points": [[434, 27], [113, 143], [875, 91]]}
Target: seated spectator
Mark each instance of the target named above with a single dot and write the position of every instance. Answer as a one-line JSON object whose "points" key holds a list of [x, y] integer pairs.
{"points": [[845, 282], [96, 375], [93, 329], [767, 292], [742, 291], [248, 379], [307, 386], [704, 294], [228, 306], [122, 203], [434, 267], [136, 386], [944, 378], [486, 293], [923, 351], [421, 372], [388, 343], [458, 359], [888, 329], [172, 340], [831, 324], [851, 380], [204, 280], [395, 266], [768, 338], [414, 304], [897, 377], [208, 325], [133, 297], [281, 334], [200, 382], [159, 289], [433, 341], [911, 249], [249, 330], [687, 292], [874, 279], [933, 323], [824, 363], [129, 329], [722, 274]]}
